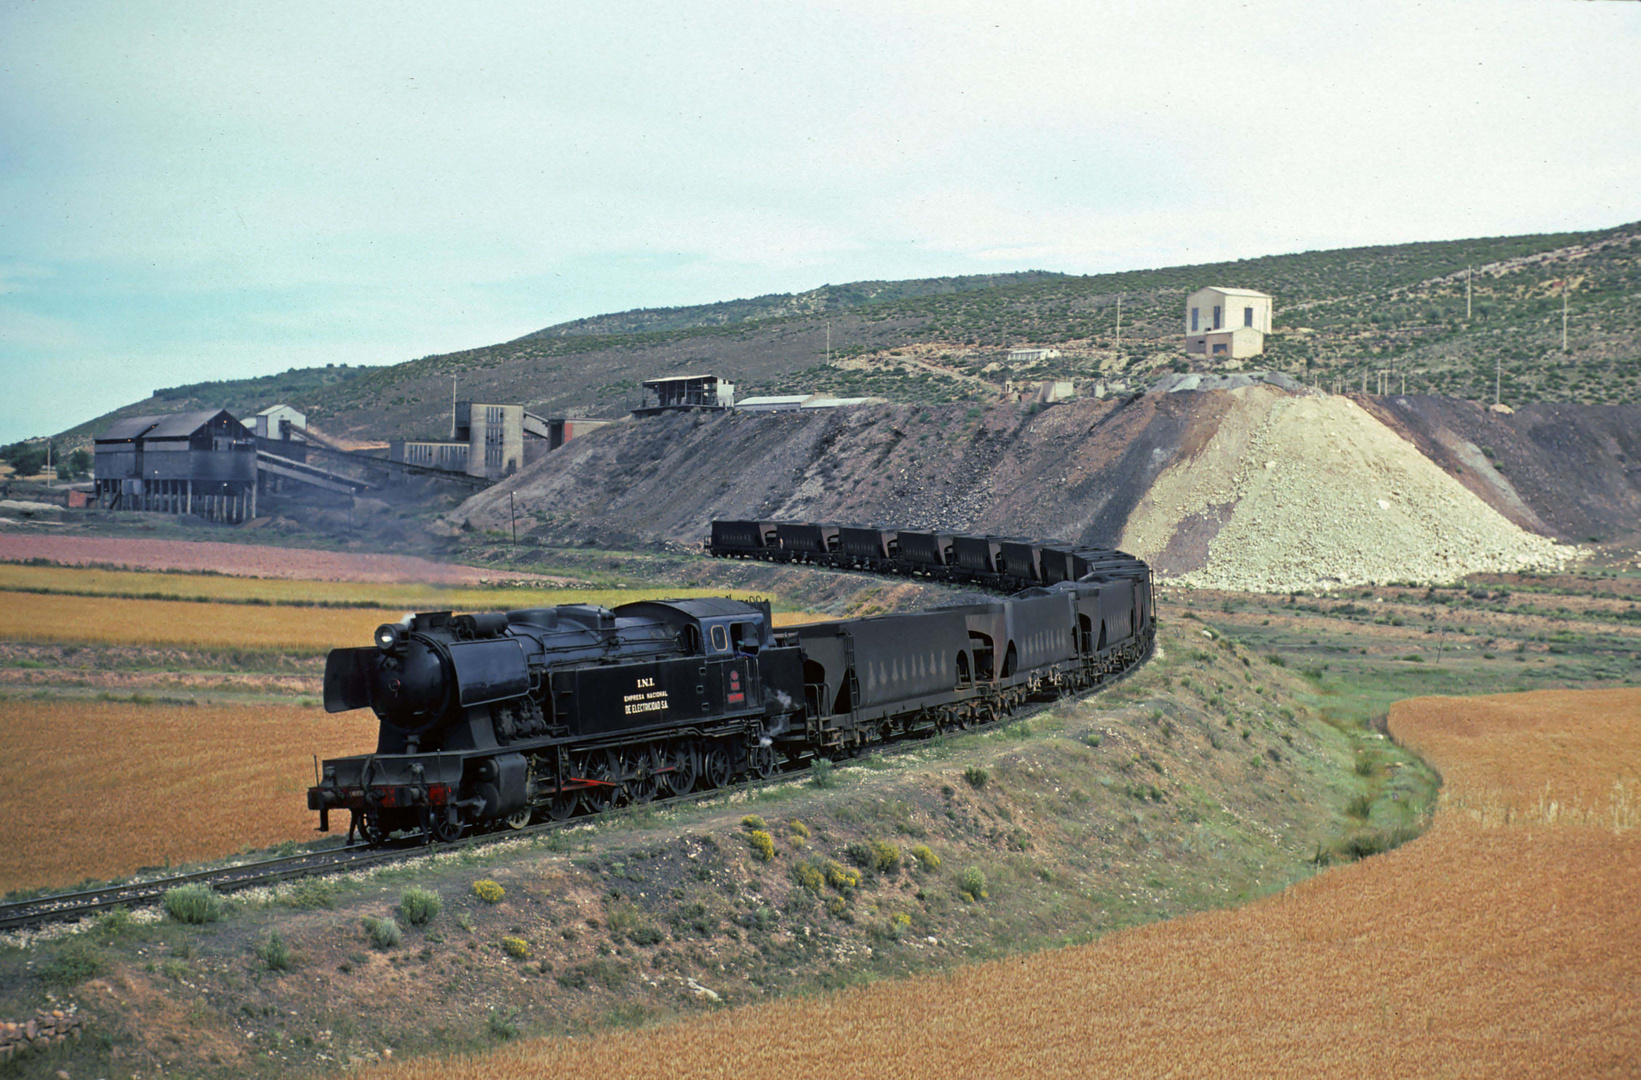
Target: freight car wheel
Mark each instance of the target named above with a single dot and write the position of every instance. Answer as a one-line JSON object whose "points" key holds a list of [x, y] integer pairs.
{"points": [[716, 768]]}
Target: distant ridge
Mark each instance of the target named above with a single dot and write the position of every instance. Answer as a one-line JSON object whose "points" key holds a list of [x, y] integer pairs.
{"points": [[1452, 318], [819, 301]]}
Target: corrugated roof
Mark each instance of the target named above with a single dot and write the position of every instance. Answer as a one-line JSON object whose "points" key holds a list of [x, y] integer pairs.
{"points": [[129, 428], [182, 424], [774, 399]]}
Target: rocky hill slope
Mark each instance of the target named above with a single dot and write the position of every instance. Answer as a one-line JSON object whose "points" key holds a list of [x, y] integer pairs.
{"points": [[1453, 318], [1256, 487]]}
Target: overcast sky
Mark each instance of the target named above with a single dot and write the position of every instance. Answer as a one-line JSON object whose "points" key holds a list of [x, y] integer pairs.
{"points": [[194, 191]]}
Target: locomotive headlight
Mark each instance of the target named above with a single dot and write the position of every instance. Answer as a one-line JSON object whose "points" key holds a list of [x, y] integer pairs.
{"points": [[388, 636]]}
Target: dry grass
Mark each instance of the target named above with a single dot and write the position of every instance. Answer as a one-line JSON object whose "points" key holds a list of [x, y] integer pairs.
{"points": [[1483, 949], [83, 619], [155, 585], [41, 617], [97, 790]]}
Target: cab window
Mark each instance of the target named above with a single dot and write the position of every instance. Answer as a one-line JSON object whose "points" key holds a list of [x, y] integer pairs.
{"points": [[720, 639]]}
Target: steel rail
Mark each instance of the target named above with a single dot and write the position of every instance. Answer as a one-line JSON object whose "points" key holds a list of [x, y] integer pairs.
{"points": [[59, 907]]}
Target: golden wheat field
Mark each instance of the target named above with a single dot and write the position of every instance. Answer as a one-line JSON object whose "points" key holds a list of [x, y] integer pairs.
{"points": [[1501, 943], [99, 789], [97, 620], [157, 585], [41, 617]]}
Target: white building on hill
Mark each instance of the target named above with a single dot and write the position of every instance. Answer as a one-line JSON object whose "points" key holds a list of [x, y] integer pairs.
{"points": [[1227, 324]]}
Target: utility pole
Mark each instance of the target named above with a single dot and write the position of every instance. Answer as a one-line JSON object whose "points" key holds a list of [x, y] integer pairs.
{"points": [[1119, 321], [1467, 294], [452, 407], [828, 342], [1563, 314]]}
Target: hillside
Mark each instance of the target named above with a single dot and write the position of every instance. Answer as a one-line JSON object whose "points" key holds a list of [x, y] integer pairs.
{"points": [[1342, 317], [1254, 488]]}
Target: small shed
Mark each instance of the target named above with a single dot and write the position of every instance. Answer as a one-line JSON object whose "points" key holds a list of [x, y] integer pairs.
{"points": [[1236, 319], [279, 422]]}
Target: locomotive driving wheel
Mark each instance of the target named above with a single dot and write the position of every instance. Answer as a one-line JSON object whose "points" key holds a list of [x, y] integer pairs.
{"points": [[602, 765], [764, 761], [715, 765], [685, 768], [639, 764], [519, 820]]}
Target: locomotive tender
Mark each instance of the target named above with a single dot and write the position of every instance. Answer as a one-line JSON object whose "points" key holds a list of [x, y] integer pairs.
{"points": [[501, 718]]}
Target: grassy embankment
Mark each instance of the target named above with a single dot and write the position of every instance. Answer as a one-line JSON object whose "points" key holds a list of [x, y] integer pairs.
{"points": [[1201, 782]]}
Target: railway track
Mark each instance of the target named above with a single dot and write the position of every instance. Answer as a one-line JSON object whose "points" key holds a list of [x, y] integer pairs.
{"points": [[63, 907]]}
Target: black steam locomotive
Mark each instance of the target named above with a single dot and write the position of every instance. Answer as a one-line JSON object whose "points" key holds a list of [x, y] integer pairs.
{"points": [[503, 717]]}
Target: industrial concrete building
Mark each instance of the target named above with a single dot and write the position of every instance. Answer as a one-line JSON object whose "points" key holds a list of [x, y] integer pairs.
{"points": [[491, 442], [1227, 324]]}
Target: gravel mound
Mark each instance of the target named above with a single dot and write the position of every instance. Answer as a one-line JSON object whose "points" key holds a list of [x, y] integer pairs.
{"points": [[1311, 492]]}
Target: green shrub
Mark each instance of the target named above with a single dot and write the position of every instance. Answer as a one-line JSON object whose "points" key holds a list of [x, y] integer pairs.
{"points": [[973, 884], [384, 933], [976, 776], [809, 876], [488, 891], [274, 953], [502, 1026], [646, 935], [193, 904], [77, 961], [1359, 807], [840, 877], [755, 823], [311, 894], [820, 773], [763, 845], [925, 857], [838, 907], [875, 855], [420, 906], [516, 947], [798, 829]]}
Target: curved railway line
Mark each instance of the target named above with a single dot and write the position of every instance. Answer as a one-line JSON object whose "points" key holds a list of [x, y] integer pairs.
{"points": [[64, 907], [1021, 702]]}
